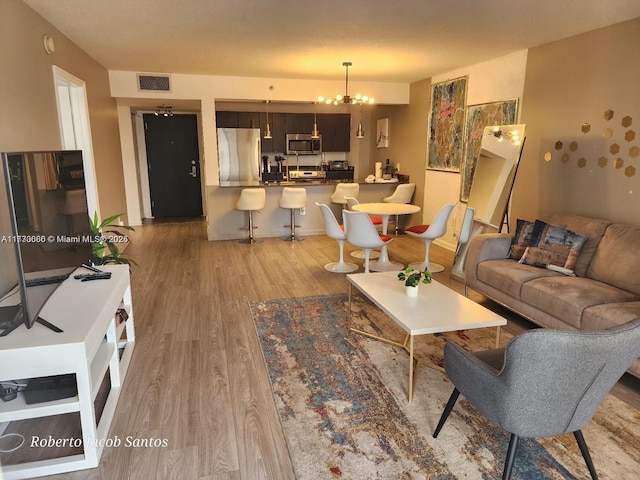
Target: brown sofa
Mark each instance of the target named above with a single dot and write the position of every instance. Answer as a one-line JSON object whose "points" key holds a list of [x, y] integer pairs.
{"points": [[605, 291]]}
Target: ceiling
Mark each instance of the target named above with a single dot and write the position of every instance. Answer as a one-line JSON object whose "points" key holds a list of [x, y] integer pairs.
{"points": [[401, 41]]}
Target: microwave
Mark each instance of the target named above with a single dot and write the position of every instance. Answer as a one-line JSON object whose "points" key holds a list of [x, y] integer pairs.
{"points": [[303, 144]]}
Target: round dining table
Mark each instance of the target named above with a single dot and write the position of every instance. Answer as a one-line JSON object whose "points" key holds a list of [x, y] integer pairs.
{"points": [[384, 211]]}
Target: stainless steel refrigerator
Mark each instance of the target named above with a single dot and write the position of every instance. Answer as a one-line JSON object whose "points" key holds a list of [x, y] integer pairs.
{"points": [[239, 155]]}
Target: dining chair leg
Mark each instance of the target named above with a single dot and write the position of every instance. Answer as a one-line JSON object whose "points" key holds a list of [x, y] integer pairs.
{"points": [[585, 453], [511, 456], [447, 410]]}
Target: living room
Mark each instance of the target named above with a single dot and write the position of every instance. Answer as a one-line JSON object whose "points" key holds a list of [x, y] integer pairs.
{"points": [[561, 86]]}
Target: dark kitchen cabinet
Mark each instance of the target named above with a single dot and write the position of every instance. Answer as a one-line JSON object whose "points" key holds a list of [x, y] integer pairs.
{"points": [[227, 119], [335, 129], [248, 120], [299, 122]]}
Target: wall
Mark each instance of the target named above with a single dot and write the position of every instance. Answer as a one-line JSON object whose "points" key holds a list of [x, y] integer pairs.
{"points": [[407, 139], [29, 119], [568, 83]]}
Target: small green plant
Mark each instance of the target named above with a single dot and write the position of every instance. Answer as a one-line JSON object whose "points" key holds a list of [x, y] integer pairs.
{"points": [[104, 249], [389, 169], [413, 277]]}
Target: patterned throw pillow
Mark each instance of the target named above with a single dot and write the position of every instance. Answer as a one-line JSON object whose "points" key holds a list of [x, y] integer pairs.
{"points": [[557, 249], [527, 234]]}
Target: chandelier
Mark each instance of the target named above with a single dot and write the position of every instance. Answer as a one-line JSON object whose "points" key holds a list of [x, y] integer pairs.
{"points": [[513, 136], [164, 111], [346, 98]]}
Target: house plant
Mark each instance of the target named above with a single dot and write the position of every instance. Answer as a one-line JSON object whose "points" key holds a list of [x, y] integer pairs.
{"points": [[105, 238], [388, 170], [412, 278]]}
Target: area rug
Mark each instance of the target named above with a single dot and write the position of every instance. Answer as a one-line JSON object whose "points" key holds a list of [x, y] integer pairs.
{"points": [[342, 401]]}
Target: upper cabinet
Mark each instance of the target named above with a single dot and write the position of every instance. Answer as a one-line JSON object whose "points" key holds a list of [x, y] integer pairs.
{"points": [[335, 128]]}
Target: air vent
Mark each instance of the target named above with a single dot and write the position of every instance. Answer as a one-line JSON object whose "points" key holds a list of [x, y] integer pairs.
{"points": [[155, 83]]}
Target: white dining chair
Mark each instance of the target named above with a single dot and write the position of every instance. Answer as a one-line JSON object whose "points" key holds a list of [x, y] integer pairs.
{"points": [[334, 230], [402, 194], [429, 233], [362, 233]]}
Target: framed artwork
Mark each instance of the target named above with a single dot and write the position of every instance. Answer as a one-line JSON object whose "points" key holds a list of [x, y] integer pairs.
{"points": [[446, 125], [382, 136], [478, 117]]}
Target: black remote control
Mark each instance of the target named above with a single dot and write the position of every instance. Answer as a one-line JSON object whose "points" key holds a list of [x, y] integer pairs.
{"points": [[92, 276]]}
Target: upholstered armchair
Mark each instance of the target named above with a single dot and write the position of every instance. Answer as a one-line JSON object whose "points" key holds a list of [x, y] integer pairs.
{"points": [[544, 383]]}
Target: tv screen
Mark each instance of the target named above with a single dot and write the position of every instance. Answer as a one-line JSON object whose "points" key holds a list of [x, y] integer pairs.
{"points": [[48, 206]]}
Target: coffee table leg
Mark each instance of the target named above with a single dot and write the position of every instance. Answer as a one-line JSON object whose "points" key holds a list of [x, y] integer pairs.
{"points": [[498, 337], [410, 368], [349, 317]]}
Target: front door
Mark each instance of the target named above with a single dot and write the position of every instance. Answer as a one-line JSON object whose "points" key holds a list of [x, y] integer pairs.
{"points": [[173, 161]]}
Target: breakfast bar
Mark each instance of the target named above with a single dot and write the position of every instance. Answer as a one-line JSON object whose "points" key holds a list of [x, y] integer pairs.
{"points": [[226, 223]]}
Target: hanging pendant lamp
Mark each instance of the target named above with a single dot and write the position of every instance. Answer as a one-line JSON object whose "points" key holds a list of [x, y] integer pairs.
{"points": [[315, 133], [267, 130]]}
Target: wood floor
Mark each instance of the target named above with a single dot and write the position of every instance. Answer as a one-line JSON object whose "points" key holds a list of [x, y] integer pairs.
{"points": [[197, 377]]}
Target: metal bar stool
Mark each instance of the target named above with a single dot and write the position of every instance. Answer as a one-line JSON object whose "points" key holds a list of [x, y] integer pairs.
{"points": [[251, 199], [293, 198]]}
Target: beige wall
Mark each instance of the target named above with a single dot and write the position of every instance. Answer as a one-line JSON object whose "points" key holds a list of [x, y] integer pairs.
{"points": [[568, 83], [28, 117]]}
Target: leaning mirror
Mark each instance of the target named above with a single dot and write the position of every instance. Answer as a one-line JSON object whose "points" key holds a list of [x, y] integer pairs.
{"points": [[493, 178]]}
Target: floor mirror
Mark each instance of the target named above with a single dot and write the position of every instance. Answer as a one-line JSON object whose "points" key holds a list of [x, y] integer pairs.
{"points": [[491, 185]]}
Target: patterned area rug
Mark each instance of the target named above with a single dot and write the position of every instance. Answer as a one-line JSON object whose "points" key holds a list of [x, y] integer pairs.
{"points": [[342, 400]]}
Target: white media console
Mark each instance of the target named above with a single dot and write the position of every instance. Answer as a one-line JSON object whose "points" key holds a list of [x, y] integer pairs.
{"points": [[92, 344]]}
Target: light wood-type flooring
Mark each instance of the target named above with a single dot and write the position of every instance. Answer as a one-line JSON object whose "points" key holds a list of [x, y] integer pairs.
{"points": [[197, 377]]}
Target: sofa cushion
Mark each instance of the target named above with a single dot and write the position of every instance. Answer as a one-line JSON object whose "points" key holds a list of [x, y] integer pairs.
{"points": [[557, 246], [508, 276], [527, 234], [591, 226], [617, 259], [607, 315], [567, 297]]}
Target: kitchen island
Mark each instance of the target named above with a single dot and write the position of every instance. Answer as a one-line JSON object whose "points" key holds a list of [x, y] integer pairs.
{"points": [[226, 223]]}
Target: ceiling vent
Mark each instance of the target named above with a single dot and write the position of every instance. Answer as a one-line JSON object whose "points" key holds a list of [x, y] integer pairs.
{"points": [[153, 83]]}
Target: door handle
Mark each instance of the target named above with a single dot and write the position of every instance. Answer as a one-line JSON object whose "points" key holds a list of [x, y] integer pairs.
{"points": [[193, 171]]}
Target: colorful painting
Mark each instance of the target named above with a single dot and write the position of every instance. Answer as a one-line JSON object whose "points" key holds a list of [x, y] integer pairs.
{"points": [[479, 117], [446, 125]]}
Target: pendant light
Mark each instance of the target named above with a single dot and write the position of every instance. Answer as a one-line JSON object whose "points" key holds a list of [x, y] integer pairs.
{"points": [[315, 133], [360, 131], [267, 130]]}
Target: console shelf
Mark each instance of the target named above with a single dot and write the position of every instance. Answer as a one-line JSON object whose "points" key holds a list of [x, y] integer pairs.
{"points": [[93, 345]]}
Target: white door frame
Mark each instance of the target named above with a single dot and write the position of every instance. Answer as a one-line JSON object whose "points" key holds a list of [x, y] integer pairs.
{"points": [[75, 128]]}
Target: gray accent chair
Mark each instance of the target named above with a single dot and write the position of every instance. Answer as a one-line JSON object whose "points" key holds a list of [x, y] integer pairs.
{"points": [[544, 383]]}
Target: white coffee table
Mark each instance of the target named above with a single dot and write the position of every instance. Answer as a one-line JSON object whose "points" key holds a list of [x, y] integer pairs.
{"points": [[436, 309]]}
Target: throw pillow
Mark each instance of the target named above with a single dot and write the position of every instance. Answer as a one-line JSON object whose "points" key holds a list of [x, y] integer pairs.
{"points": [[557, 249], [527, 234]]}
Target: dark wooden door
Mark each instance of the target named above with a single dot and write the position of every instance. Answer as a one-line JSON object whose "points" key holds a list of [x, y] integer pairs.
{"points": [[173, 161]]}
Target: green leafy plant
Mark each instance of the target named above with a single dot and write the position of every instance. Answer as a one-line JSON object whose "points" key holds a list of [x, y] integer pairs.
{"points": [[389, 169], [413, 277], [104, 249]]}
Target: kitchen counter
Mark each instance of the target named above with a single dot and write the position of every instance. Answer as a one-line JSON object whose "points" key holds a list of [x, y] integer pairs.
{"points": [[300, 183], [226, 223]]}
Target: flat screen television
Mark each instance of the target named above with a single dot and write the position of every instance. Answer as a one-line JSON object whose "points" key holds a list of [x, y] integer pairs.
{"points": [[48, 230]]}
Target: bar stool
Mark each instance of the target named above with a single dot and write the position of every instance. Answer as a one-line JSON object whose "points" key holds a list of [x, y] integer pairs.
{"points": [[293, 198], [251, 199], [344, 190], [402, 194]]}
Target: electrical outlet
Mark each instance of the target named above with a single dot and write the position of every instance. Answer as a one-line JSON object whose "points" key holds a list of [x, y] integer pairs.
{"points": [[302, 211]]}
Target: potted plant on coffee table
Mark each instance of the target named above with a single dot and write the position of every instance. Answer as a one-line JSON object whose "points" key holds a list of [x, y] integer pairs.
{"points": [[412, 278]]}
